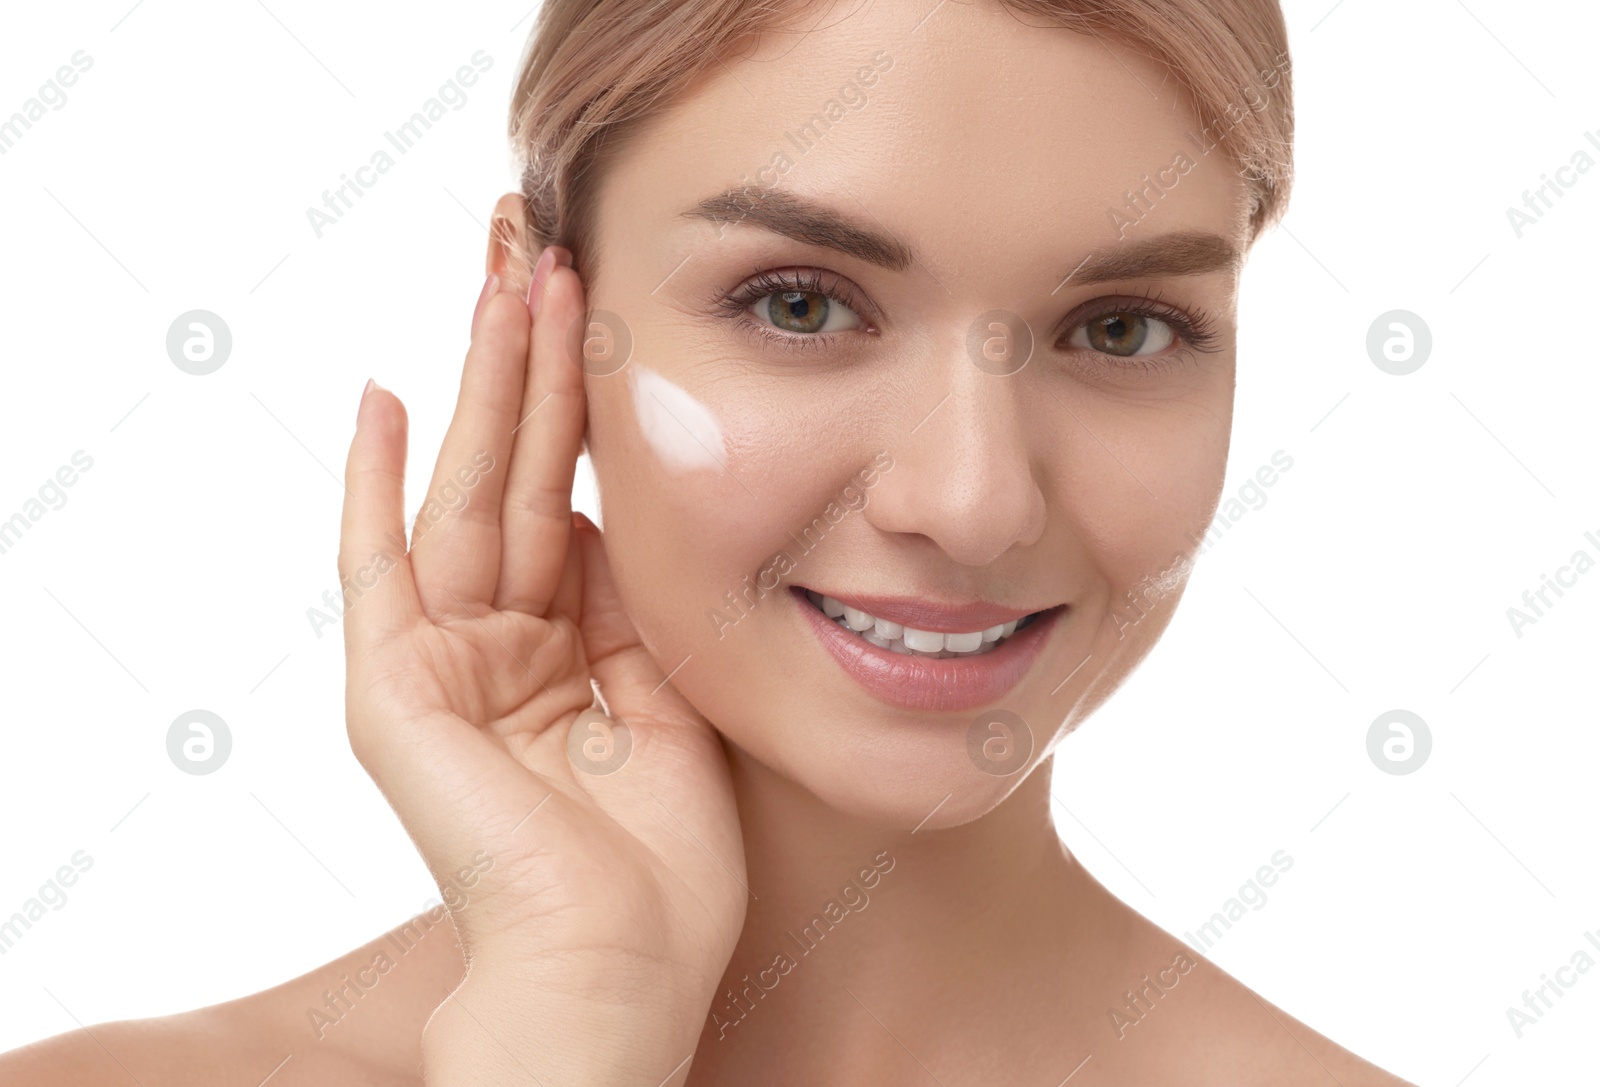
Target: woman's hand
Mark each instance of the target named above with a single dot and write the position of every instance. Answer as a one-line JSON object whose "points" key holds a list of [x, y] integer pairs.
{"points": [[596, 879]]}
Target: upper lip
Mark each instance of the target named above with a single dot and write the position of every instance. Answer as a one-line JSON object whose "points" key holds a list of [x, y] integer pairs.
{"points": [[934, 616]]}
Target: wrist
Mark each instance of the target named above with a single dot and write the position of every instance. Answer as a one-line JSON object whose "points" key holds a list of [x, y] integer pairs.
{"points": [[496, 1029]]}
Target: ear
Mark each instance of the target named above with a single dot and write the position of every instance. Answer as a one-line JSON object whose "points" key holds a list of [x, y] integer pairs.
{"points": [[509, 244]]}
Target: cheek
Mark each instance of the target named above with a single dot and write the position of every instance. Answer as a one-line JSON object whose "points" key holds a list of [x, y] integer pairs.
{"points": [[705, 490], [682, 434], [1144, 519]]}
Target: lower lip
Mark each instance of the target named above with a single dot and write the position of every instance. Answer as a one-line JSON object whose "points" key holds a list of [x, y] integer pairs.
{"points": [[923, 683]]}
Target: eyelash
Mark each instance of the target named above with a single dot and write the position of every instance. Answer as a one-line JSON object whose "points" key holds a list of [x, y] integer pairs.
{"points": [[736, 305], [1197, 329]]}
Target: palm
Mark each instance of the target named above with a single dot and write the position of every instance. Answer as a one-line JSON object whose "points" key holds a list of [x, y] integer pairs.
{"points": [[468, 670]]}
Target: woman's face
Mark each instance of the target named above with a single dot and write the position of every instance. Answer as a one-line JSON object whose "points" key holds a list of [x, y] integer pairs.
{"points": [[830, 388]]}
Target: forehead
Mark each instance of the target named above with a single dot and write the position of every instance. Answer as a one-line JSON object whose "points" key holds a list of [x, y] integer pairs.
{"points": [[950, 126]]}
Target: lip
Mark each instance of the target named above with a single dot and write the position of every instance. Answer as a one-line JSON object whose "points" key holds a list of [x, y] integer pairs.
{"points": [[922, 683], [920, 613]]}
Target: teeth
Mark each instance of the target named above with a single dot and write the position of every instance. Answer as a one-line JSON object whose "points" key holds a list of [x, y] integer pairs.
{"points": [[905, 640], [963, 643], [857, 620]]}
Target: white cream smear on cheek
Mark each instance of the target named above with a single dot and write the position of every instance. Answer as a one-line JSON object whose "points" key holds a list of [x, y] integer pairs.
{"points": [[681, 430]]}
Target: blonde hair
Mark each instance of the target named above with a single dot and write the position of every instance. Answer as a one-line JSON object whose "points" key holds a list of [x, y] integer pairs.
{"points": [[595, 68]]}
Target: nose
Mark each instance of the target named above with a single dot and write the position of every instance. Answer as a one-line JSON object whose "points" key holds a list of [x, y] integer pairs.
{"points": [[963, 476]]}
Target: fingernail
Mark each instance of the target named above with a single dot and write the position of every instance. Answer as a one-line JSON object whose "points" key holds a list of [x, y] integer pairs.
{"points": [[364, 392], [563, 256], [490, 285], [541, 272]]}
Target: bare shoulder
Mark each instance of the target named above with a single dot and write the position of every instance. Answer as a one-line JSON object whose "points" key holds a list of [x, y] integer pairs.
{"points": [[200, 1047], [356, 1020], [1243, 1039], [1167, 1014], [1337, 1062]]}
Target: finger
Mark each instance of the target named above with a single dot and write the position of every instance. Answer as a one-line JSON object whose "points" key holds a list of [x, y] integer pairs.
{"points": [[374, 572], [627, 673], [456, 540], [567, 603], [536, 514]]}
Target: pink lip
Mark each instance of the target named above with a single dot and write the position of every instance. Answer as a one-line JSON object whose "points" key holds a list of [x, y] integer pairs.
{"points": [[920, 613], [919, 683]]}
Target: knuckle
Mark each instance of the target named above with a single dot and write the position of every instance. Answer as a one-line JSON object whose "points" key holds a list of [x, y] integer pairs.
{"points": [[539, 503]]}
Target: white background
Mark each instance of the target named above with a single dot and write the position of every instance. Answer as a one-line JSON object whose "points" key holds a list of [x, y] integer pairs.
{"points": [[1377, 575]]}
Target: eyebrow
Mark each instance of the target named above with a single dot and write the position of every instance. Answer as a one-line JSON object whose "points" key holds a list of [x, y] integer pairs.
{"points": [[805, 221], [1178, 253]]}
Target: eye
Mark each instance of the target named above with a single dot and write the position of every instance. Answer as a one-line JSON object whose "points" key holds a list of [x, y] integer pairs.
{"points": [[1140, 328], [794, 307], [1125, 333], [805, 312]]}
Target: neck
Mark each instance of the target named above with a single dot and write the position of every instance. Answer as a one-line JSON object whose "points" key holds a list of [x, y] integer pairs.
{"points": [[844, 907]]}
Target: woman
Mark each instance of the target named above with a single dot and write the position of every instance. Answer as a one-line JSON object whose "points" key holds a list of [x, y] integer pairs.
{"points": [[901, 338]]}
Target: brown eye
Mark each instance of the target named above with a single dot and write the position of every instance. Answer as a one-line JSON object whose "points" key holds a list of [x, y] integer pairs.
{"points": [[1124, 333]]}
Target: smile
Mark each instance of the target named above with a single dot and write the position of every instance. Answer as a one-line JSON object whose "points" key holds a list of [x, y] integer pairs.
{"points": [[898, 638], [918, 655]]}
